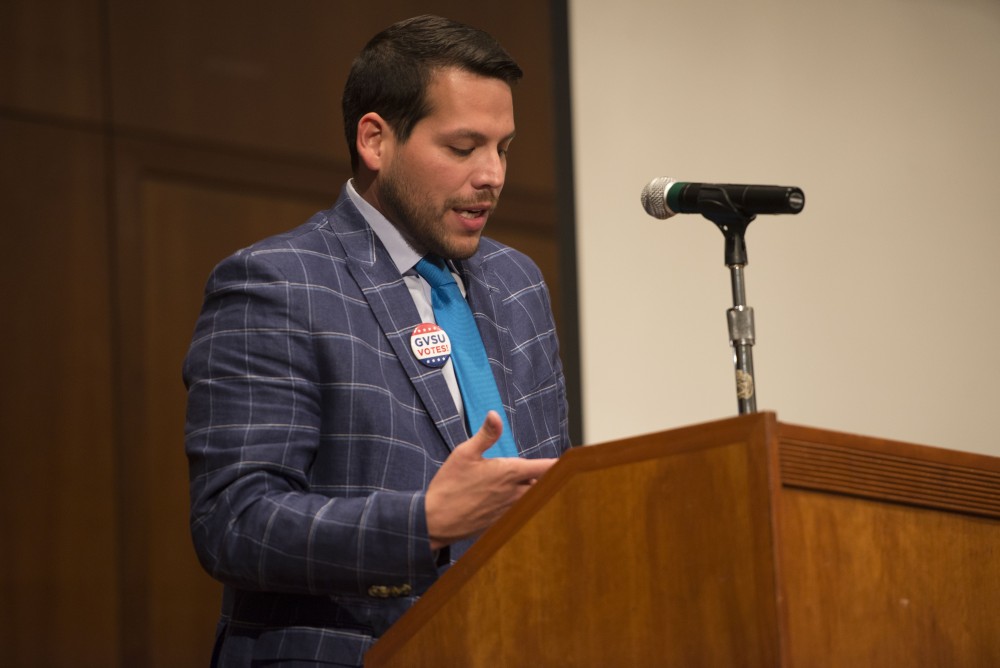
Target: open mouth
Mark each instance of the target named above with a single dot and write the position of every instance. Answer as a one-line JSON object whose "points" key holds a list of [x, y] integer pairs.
{"points": [[473, 213]]}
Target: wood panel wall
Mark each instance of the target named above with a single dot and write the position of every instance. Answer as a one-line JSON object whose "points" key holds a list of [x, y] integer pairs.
{"points": [[139, 144]]}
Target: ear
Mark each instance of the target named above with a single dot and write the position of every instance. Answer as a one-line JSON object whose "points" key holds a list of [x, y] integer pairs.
{"points": [[374, 141]]}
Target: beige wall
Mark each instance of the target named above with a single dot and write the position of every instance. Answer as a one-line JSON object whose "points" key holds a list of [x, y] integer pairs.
{"points": [[876, 307]]}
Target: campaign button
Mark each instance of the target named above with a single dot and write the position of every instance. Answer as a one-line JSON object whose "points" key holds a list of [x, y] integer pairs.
{"points": [[431, 345]]}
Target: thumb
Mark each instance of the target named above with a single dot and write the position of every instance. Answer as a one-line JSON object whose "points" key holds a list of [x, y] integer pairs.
{"points": [[488, 434]]}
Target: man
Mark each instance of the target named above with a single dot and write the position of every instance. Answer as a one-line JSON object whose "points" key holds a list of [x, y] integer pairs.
{"points": [[333, 472]]}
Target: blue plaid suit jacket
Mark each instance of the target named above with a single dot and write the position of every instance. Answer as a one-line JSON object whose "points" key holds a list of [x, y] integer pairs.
{"points": [[312, 431]]}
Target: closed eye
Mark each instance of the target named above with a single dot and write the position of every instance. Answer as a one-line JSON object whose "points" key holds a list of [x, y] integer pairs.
{"points": [[504, 147]]}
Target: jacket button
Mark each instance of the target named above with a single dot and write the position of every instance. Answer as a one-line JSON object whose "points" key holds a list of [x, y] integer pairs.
{"points": [[384, 591]]}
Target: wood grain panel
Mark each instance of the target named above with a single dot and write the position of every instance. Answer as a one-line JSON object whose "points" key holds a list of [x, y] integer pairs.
{"points": [[270, 75], [589, 562], [891, 471], [50, 57], [224, 127], [890, 477], [889, 552], [181, 212], [651, 551], [187, 228], [59, 561], [865, 584]]}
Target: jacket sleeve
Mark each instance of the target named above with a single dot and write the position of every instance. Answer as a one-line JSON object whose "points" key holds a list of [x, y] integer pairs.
{"points": [[253, 431]]}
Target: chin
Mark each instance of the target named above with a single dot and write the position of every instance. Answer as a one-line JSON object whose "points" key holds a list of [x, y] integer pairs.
{"points": [[461, 249]]}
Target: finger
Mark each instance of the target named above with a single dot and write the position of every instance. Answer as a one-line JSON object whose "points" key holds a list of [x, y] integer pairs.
{"points": [[488, 434], [525, 470]]}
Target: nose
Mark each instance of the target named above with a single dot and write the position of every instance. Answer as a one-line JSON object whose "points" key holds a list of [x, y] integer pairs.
{"points": [[491, 169]]}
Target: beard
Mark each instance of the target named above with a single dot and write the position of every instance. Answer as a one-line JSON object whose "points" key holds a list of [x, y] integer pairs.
{"points": [[423, 223]]}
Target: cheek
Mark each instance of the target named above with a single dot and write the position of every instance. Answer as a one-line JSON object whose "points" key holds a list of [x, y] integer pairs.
{"points": [[444, 179], [437, 174]]}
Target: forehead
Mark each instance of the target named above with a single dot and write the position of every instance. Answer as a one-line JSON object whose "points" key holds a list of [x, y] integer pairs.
{"points": [[461, 100]]}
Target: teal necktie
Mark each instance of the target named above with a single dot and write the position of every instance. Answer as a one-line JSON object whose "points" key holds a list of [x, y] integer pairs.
{"points": [[475, 378]]}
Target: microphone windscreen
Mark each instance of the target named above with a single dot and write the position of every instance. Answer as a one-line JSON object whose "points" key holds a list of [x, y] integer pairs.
{"points": [[654, 197]]}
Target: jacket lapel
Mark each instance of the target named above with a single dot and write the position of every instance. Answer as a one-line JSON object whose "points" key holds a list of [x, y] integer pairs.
{"points": [[386, 293]]}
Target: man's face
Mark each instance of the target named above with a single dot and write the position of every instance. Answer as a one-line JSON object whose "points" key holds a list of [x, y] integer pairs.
{"points": [[440, 186]]}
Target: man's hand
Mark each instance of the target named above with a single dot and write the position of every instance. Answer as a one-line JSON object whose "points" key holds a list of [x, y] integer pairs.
{"points": [[469, 492]]}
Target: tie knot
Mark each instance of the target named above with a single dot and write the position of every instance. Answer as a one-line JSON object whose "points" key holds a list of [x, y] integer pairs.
{"points": [[434, 270]]}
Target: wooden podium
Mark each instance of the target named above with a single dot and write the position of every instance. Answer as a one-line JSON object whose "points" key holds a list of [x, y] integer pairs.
{"points": [[745, 542]]}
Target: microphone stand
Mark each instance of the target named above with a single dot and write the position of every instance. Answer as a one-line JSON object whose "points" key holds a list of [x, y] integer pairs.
{"points": [[733, 224]]}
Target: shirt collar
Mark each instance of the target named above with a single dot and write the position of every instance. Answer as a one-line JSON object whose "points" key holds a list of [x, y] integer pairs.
{"points": [[402, 253]]}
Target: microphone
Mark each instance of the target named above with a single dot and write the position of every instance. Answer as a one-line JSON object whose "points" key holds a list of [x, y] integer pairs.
{"points": [[664, 197]]}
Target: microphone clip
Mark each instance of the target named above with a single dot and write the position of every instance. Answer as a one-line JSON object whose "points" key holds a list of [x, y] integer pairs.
{"points": [[734, 228], [716, 205]]}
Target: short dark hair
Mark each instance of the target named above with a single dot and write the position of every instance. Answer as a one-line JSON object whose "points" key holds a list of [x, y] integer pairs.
{"points": [[391, 74]]}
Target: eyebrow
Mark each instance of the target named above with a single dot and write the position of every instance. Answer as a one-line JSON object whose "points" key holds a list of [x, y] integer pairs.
{"points": [[477, 137]]}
